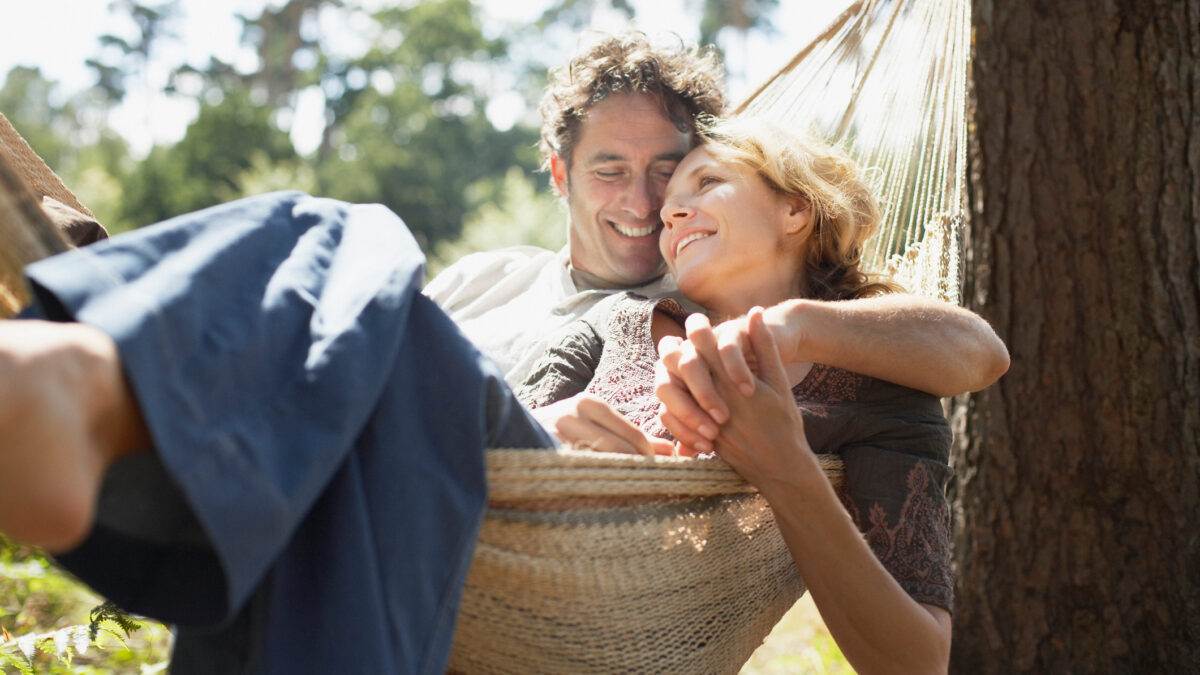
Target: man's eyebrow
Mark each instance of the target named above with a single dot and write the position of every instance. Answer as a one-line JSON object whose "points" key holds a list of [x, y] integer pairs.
{"points": [[601, 157]]}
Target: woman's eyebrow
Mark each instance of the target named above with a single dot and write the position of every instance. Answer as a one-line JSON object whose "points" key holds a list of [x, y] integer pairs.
{"points": [[691, 172]]}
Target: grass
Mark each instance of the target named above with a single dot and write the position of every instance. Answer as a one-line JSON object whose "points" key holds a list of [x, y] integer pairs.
{"points": [[39, 602], [799, 645], [44, 624]]}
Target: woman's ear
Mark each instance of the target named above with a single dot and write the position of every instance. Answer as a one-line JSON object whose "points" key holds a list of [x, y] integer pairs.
{"points": [[799, 213]]}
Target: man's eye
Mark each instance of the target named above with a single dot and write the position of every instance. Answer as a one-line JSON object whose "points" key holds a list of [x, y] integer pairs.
{"points": [[608, 175], [665, 171]]}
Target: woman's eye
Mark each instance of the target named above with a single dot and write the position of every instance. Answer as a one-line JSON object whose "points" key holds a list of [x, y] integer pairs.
{"points": [[706, 181]]}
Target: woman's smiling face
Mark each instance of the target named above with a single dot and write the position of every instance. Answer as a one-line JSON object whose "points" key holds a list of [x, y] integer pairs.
{"points": [[730, 239]]}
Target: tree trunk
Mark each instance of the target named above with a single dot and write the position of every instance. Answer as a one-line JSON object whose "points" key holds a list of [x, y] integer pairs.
{"points": [[1078, 492]]}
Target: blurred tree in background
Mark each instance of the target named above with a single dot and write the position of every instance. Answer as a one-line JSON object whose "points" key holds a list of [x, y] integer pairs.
{"points": [[742, 16], [405, 117], [420, 136], [227, 140], [404, 122]]}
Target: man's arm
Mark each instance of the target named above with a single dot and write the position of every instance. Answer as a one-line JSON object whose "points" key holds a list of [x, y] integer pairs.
{"points": [[916, 342]]}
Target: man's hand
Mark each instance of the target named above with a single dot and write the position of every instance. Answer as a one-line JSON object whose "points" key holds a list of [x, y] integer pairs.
{"points": [[589, 421]]}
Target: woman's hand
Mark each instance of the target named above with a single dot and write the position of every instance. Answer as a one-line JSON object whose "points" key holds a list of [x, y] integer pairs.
{"points": [[764, 438], [879, 627], [589, 421], [684, 376]]}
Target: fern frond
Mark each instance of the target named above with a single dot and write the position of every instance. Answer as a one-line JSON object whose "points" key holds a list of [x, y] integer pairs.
{"points": [[109, 611], [8, 658]]}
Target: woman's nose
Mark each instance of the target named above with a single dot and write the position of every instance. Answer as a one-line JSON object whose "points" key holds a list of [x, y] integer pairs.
{"points": [[672, 213]]}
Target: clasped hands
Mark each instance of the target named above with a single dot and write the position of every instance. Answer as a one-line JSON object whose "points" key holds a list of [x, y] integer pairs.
{"points": [[723, 388]]}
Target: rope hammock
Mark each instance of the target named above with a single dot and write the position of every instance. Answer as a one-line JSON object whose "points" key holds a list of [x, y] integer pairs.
{"points": [[888, 82], [593, 563], [24, 228]]}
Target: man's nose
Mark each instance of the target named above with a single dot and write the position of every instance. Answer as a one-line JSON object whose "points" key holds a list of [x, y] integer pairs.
{"points": [[640, 198]]}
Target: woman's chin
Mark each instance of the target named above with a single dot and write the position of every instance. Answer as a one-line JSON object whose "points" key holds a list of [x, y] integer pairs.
{"points": [[693, 286]]}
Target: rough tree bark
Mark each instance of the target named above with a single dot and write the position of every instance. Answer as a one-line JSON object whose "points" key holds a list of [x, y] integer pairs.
{"points": [[1078, 493]]}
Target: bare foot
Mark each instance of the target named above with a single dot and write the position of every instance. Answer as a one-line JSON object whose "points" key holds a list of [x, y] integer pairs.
{"points": [[66, 413]]}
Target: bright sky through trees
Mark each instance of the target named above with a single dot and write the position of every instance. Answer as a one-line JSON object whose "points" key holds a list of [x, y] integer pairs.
{"points": [[58, 36]]}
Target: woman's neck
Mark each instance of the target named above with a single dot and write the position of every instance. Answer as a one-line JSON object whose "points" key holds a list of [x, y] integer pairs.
{"points": [[733, 303]]}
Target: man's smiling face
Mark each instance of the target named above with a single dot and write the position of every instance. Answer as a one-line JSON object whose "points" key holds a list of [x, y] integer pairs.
{"points": [[626, 153]]}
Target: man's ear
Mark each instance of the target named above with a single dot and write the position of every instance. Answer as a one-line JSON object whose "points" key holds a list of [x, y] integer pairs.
{"points": [[558, 174], [799, 213]]}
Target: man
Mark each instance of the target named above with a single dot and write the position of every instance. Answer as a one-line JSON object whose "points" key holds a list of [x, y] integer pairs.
{"points": [[616, 121], [316, 479]]}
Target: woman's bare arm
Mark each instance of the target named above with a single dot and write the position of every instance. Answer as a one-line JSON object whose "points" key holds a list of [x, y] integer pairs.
{"points": [[878, 626]]}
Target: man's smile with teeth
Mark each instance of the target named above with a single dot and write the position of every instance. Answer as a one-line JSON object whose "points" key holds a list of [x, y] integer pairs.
{"points": [[695, 236], [635, 231]]}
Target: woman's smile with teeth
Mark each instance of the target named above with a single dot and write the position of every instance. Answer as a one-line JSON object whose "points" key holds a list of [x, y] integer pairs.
{"points": [[695, 236], [634, 231]]}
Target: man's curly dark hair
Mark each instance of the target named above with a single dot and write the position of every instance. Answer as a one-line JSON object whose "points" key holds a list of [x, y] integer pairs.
{"points": [[688, 81]]}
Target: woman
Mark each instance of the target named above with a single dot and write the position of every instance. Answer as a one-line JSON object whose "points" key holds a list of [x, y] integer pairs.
{"points": [[757, 217]]}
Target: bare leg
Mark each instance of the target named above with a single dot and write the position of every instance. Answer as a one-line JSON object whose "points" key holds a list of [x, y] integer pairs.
{"points": [[66, 413]]}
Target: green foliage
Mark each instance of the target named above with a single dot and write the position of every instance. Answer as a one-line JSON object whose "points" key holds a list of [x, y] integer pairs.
{"points": [[108, 611], [510, 211], [577, 14], [279, 37], [741, 15], [419, 142], [123, 58], [73, 140], [402, 151], [800, 644], [49, 623], [98, 178], [229, 139], [27, 99]]}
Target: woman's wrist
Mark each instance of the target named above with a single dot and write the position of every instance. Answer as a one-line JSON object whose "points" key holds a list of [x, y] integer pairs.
{"points": [[798, 480], [792, 476]]}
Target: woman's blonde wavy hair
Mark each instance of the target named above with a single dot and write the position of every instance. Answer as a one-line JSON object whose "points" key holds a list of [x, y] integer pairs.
{"points": [[844, 213]]}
